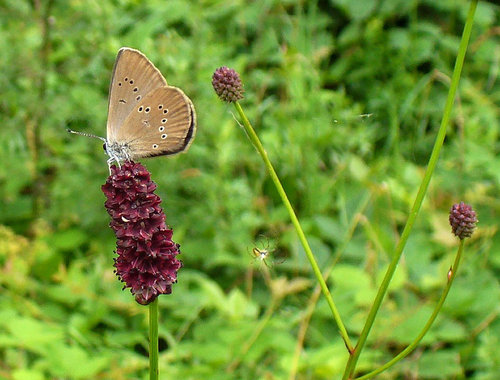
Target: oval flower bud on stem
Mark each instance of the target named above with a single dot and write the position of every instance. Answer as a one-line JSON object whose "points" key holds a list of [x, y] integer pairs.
{"points": [[146, 261], [227, 84], [463, 220]]}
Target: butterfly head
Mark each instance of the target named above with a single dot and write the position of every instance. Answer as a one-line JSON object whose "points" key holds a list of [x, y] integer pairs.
{"points": [[117, 152]]}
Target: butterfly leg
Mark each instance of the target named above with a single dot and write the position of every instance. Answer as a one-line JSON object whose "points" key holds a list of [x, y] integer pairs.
{"points": [[110, 161]]}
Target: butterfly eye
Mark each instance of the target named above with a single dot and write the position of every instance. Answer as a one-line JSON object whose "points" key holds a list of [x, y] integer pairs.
{"points": [[104, 147]]}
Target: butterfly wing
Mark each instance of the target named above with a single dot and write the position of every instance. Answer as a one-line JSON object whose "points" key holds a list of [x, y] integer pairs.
{"points": [[163, 122], [134, 76]]}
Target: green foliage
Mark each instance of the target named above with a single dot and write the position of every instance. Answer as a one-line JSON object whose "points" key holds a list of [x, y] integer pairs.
{"points": [[346, 96]]}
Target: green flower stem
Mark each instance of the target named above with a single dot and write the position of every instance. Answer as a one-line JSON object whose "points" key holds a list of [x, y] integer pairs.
{"points": [[153, 340], [351, 363], [437, 309], [257, 144], [313, 299]]}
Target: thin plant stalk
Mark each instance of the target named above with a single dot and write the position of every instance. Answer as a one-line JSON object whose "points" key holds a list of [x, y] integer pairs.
{"points": [[351, 363], [451, 277], [274, 177], [153, 340], [313, 299]]}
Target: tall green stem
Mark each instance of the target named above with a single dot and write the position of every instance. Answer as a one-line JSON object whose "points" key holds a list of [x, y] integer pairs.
{"points": [[432, 318], [274, 177], [313, 299], [351, 364], [153, 340]]}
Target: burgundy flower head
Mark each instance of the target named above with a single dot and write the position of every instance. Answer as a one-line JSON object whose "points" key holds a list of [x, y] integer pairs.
{"points": [[227, 84], [463, 220], [146, 261]]}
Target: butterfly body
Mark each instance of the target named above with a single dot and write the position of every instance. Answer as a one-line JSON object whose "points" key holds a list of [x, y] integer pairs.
{"points": [[146, 116]]}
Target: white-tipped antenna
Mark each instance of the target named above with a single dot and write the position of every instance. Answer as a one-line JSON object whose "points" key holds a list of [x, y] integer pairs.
{"points": [[109, 152], [86, 134]]}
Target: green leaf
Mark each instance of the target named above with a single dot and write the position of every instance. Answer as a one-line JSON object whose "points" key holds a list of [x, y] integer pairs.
{"points": [[27, 374], [443, 364]]}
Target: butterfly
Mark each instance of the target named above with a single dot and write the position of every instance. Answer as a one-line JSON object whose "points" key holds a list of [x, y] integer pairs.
{"points": [[146, 116]]}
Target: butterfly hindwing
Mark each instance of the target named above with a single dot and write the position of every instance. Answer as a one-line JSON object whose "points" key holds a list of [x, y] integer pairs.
{"points": [[134, 77], [163, 122]]}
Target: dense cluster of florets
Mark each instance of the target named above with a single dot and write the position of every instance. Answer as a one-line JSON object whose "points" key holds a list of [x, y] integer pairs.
{"points": [[463, 220], [227, 84], [146, 261]]}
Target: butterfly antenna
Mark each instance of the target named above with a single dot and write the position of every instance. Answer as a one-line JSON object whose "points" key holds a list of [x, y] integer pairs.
{"points": [[86, 134]]}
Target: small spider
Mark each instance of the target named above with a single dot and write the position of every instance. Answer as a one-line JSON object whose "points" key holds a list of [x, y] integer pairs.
{"points": [[264, 254], [261, 254]]}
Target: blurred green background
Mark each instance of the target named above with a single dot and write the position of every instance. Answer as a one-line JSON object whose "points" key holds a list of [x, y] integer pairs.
{"points": [[346, 96]]}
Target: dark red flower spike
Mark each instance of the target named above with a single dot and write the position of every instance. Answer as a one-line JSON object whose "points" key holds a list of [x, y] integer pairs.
{"points": [[146, 261]]}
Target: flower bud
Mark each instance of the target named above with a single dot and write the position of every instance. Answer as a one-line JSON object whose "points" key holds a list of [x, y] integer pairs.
{"points": [[462, 220], [227, 84]]}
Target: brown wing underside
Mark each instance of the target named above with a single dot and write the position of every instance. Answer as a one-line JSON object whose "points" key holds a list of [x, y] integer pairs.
{"points": [[163, 122], [134, 76]]}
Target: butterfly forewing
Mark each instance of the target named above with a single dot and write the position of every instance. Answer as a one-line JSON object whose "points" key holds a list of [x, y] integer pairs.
{"points": [[163, 122], [134, 77]]}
